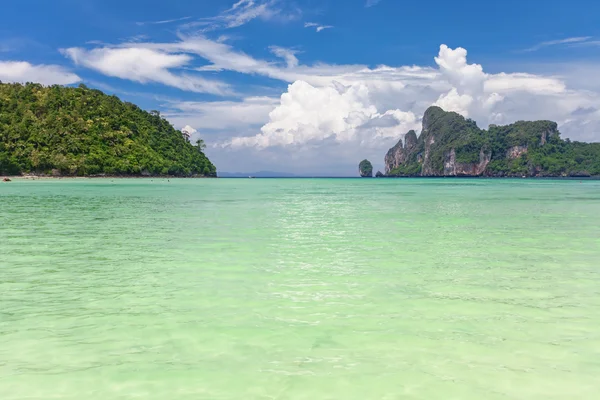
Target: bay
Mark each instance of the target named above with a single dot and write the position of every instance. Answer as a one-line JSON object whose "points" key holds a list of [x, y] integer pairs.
{"points": [[299, 289]]}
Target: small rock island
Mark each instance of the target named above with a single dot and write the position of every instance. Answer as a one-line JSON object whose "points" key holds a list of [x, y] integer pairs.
{"points": [[365, 168]]}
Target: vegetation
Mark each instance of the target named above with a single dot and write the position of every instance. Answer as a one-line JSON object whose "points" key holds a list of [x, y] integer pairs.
{"points": [[83, 132], [365, 168], [523, 148], [410, 169]]}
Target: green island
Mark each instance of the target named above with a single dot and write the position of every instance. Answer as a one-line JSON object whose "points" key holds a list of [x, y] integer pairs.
{"points": [[451, 145], [365, 169], [77, 131]]}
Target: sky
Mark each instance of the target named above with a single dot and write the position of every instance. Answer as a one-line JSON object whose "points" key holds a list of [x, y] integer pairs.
{"points": [[312, 87]]}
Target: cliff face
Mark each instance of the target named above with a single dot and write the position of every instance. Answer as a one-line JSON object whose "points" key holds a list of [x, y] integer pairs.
{"points": [[450, 145], [453, 168], [397, 155]]}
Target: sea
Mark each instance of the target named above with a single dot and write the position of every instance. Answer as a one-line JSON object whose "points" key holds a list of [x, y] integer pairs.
{"points": [[299, 289]]}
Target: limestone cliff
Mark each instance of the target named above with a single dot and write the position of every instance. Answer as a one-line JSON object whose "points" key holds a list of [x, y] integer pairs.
{"points": [[451, 145], [397, 154]]}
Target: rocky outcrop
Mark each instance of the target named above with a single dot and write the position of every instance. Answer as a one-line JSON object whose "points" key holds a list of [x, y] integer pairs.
{"points": [[451, 145], [379, 175], [395, 157], [552, 131], [410, 140], [428, 170], [452, 168], [516, 151], [365, 169]]}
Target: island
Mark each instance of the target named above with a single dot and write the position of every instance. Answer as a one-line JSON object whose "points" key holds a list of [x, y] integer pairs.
{"points": [[77, 131], [451, 145], [365, 169]]}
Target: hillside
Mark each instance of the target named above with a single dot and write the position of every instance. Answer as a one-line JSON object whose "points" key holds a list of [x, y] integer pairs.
{"points": [[82, 132], [450, 145]]}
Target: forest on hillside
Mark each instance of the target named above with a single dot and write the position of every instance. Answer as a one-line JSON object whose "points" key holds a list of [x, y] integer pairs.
{"points": [[77, 131]]}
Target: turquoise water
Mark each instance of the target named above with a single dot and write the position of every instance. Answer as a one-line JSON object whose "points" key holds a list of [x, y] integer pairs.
{"points": [[299, 289]]}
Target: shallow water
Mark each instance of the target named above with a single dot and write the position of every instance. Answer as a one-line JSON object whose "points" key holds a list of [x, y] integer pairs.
{"points": [[299, 289]]}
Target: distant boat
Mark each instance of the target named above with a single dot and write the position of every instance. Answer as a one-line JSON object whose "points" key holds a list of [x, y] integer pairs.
{"points": [[250, 177]]}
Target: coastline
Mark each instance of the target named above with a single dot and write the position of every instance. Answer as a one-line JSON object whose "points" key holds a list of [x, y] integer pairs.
{"points": [[53, 177], [13, 178], [557, 177]]}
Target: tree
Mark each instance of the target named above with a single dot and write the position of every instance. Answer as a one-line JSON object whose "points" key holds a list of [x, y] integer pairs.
{"points": [[200, 145]]}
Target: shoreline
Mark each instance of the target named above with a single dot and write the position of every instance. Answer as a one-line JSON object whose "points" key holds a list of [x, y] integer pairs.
{"points": [[50, 177]]}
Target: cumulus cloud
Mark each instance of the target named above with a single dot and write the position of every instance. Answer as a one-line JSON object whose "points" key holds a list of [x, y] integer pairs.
{"points": [[21, 71], [308, 114], [145, 65], [362, 104], [454, 101], [453, 65]]}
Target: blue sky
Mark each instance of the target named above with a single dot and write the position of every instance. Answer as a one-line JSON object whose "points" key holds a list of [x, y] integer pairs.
{"points": [[313, 87]]}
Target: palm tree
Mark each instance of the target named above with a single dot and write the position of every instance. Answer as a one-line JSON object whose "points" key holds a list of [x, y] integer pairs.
{"points": [[200, 144]]}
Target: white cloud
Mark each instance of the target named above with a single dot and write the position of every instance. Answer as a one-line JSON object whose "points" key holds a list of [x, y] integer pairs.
{"points": [[162, 22], [189, 130], [318, 27], [453, 65], [222, 56], [21, 71], [541, 85], [454, 101], [231, 116], [145, 65], [246, 10], [243, 12], [288, 55], [307, 114], [323, 27], [567, 41]]}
